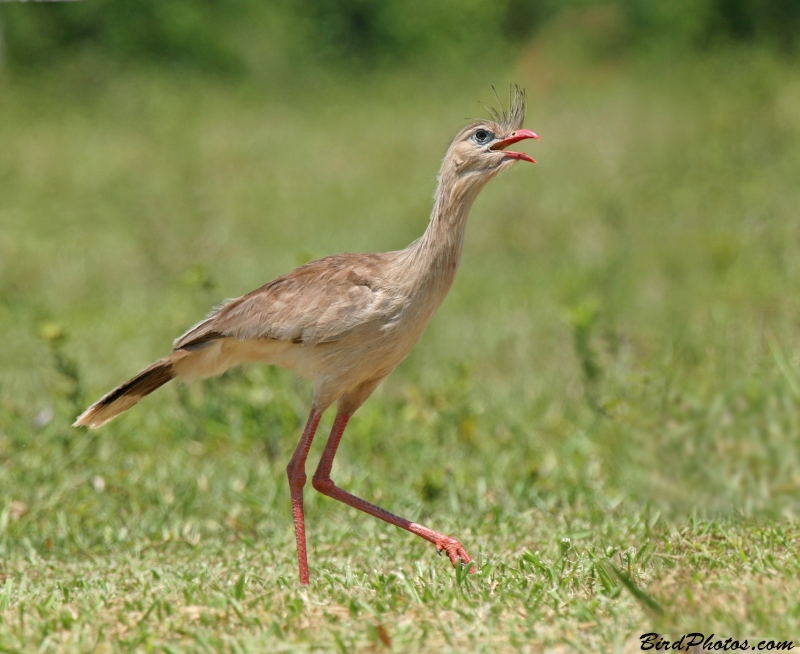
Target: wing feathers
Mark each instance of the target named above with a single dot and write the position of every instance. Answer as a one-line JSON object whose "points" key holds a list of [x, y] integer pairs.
{"points": [[316, 303]]}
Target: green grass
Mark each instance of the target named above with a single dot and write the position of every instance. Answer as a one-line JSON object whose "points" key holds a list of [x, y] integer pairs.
{"points": [[604, 411]]}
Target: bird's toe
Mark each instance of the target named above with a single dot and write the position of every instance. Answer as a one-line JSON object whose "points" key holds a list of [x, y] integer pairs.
{"points": [[455, 552]]}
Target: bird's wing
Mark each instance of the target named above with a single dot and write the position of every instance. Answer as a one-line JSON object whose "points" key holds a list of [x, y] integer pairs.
{"points": [[319, 302]]}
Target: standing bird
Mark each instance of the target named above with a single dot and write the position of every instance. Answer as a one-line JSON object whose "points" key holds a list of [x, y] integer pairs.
{"points": [[345, 321]]}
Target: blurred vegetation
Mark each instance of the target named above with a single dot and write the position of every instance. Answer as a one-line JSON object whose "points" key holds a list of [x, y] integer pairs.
{"points": [[240, 35]]}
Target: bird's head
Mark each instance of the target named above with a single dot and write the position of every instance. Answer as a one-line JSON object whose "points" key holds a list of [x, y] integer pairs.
{"points": [[479, 151]]}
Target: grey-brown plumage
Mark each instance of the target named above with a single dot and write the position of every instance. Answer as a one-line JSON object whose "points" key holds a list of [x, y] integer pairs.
{"points": [[347, 320], [344, 321], [125, 396]]}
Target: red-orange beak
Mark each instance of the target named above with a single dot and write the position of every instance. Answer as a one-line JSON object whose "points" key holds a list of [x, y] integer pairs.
{"points": [[519, 135]]}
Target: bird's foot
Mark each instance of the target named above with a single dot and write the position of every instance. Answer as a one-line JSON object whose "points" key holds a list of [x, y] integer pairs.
{"points": [[455, 552]]}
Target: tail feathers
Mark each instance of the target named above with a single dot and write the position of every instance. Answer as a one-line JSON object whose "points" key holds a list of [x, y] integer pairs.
{"points": [[125, 396]]}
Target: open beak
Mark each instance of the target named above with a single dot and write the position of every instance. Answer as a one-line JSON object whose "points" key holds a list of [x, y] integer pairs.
{"points": [[519, 135]]}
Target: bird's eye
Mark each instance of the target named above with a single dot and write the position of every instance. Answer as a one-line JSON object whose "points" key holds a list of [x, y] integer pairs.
{"points": [[482, 136]]}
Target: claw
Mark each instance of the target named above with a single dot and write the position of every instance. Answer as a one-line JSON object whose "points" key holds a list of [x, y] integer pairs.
{"points": [[455, 553]]}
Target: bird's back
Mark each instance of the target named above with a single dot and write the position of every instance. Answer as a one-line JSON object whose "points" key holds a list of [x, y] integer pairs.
{"points": [[340, 321]]}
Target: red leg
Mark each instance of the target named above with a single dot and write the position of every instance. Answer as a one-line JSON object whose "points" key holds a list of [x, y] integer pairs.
{"points": [[324, 484], [296, 470]]}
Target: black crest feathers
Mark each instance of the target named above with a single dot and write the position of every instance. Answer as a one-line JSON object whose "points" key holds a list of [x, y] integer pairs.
{"points": [[510, 119]]}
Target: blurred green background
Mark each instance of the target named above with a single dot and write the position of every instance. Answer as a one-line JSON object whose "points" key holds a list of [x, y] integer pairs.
{"points": [[622, 339], [252, 37]]}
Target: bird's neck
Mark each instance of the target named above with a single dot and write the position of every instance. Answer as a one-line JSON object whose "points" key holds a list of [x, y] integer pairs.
{"points": [[437, 253]]}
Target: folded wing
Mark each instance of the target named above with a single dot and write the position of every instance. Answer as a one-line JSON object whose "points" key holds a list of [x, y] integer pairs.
{"points": [[319, 302]]}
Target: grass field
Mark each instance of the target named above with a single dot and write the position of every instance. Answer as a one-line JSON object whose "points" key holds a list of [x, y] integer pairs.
{"points": [[604, 411]]}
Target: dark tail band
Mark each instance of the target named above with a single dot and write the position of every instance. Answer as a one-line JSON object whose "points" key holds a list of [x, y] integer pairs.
{"points": [[125, 396]]}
